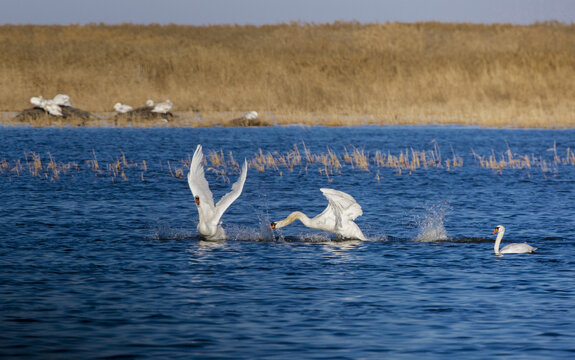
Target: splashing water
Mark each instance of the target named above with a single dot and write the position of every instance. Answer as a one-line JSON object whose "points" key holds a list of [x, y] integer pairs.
{"points": [[249, 234], [314, 237], [430, 224], [263, 233], [163, 231]]}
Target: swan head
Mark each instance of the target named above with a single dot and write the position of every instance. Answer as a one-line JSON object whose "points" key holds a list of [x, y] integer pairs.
{"points": [[272, 225], [150, 103], [498, 228], [197, 198]]}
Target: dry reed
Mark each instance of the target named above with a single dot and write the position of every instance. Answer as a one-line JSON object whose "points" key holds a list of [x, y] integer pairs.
{"points": [[343, 73], [328, 163]]}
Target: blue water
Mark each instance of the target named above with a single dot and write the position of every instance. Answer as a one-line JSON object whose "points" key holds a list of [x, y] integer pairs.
{"points": [[96, 265]]}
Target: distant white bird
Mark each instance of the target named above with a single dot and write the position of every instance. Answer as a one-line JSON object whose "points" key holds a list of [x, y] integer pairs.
{"points": [[252, 115], [337, 217], [48, 105], [62, 100], [210, 225], [122, 108], [36, 101], [149, 102], [514, 248], [53, 108], [163, 107]]}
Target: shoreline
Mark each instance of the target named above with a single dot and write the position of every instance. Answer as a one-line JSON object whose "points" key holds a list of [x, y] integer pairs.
{"points": [[230, 118]]}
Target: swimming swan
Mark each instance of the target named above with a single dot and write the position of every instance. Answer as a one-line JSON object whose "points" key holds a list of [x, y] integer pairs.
{"points": [[337, 217], [514, 248], [210, 225]]}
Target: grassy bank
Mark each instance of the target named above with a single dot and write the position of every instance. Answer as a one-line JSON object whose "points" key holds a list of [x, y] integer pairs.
{"points": [[332, 74]]}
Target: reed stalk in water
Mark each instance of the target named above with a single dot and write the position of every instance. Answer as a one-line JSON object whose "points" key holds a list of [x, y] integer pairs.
{"points": [[328, 163]]}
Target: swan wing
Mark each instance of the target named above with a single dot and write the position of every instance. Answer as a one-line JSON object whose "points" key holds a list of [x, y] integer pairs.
{"points": [[343, 204], [516, 248], [236, 191], [330, 218], [340, 211], [199, 185]]}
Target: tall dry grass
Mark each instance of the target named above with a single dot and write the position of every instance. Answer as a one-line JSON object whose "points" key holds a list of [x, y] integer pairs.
{"points": [[343, 73]]}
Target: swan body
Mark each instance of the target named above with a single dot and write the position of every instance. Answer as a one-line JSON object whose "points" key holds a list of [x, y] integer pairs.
{"points": [[36, 101], [514, 248], [52, 108], [252, 115], [163, 107], [62, 100], [210, 225], [337, 218], [48, 105], [122, 108]]}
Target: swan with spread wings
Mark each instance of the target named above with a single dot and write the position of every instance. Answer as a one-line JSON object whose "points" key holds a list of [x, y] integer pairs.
{"points": [[337, 218], [210, 225]]}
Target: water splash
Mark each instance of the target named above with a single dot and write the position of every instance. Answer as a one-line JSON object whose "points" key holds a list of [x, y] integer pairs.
{"points": [[315, 237], [430, 224], [163, 231], [238, 233], [262, 233]]}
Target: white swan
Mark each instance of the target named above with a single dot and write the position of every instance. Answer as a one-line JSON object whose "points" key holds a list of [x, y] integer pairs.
{"points": [[122, 108], [48, 105], [62, 100], [36, 101], [337, 217], [252, 115], [210, 225], [514, 248], [163, 107], [52, 108]]}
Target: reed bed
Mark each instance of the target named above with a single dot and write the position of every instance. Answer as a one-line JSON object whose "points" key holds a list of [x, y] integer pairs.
{"points": [[511, 160], [344, 73], [299, 159]]}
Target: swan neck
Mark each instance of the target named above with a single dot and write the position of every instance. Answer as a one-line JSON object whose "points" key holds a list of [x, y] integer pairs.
{"points": [[296, 215], [498, 241]]}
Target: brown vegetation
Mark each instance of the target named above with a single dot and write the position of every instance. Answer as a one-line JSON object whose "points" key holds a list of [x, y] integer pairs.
{"points": [[328, 164], [332, 74]]}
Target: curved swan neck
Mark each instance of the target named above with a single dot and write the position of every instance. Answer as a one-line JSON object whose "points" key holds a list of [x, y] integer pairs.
{"points": [[498, 241], [296, 215]]}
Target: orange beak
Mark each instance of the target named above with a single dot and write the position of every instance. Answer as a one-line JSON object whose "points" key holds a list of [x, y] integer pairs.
{"points": [[197, 198], [495, 231], [272, 226]]}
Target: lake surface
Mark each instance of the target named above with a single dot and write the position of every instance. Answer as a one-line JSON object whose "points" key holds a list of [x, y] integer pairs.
{"points": [[100, 257]]}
